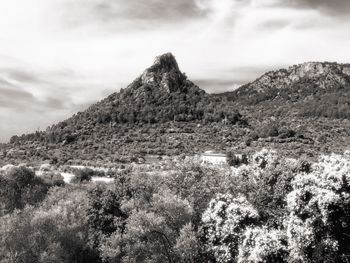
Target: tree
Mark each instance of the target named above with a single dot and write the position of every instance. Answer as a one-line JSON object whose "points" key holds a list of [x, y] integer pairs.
{"points": [[262, 245], [198, 184], [82, 175], [223, 223], [104, 213], [20, 186], [319, 212], [187, 245], [266, 181], [56, 231], [150, 230]]}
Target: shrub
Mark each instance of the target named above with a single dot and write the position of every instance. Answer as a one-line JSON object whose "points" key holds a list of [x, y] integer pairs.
{"points": [[20, 186], [319, 212], [53, 178], [223, 223], [82, 175], [187, 244], [266, 181], [56, 231], [268, 130], [260, 245]]}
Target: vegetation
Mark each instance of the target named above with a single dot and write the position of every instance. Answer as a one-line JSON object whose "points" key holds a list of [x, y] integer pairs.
{"points": [[304, 108], [289, 205], [269, 209]]}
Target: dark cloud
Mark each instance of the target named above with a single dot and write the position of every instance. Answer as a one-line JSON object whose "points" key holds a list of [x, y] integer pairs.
{"points": [[15, 97], [331, 7], [5, 83], [27, 76], [149, 10], [121, 12], [10, 98], [21, 76], [55, 103], [274, 24]]}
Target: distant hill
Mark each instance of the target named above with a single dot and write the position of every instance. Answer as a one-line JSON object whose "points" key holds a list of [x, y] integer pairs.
{"points": [[312, 89]]}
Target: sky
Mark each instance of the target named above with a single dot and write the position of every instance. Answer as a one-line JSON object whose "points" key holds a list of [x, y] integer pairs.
{"points": [[59, 56]]}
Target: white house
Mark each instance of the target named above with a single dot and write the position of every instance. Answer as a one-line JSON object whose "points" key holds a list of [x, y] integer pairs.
{"points": [[214, 158]]}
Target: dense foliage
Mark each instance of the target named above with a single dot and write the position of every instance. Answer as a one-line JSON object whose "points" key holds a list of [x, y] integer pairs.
{"points": [[268, 209]]}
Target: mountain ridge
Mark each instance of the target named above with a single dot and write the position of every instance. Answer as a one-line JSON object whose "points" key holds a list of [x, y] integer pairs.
{"points": [[313, 89], [162, 112]]}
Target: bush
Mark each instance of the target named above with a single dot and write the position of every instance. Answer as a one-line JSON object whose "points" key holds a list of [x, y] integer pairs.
{"points": [[268, 130], [19, 187], [236, 160], [223, 223], [83, 175], [260, 245], [319, 212], [53, 178], [56, 231], [266, 181]]}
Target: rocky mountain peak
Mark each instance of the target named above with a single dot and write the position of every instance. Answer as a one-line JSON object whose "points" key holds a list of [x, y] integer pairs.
{"points": [[165, 62], [164, 74], [316, 69]]}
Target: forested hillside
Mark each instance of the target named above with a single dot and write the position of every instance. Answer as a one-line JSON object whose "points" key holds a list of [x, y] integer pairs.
{"points": [[312, 89], [304, 108]]}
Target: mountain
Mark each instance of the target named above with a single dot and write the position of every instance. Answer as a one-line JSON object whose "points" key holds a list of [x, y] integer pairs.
{"points": [[161, 112], [162, 93], [304, 109], [312, 89]]}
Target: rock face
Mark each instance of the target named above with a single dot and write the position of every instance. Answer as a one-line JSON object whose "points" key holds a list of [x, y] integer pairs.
{"points": [[312, 89], [314, 83], [164, 74], [321, 74]]}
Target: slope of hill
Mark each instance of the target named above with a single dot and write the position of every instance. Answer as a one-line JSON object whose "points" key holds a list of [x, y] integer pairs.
{"points": [[161, 112], [311, 89], [161, 94]]}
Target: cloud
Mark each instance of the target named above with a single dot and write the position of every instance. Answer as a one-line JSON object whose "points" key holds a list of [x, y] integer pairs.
{"points": [[23, 112], [21, 76], [10, 98], [147, 10], [118, 14], [330, 7], [15, 97]]}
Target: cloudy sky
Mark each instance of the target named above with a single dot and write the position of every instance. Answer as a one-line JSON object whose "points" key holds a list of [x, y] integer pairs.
{"points": [[58, 56]]}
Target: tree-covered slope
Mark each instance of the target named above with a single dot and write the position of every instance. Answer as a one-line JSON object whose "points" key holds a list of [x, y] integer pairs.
{"points": [[312, 89], [160, 112], [305, 108]]}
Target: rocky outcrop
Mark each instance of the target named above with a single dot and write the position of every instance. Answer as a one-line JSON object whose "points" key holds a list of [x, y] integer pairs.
{"points": [[164, 74], [320, 74]]}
